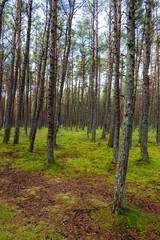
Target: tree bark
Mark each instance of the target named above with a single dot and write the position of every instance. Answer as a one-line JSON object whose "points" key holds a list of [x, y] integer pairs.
{"points": [[41, 92], [117, 33], [119, 191], [144, 131], [23, 76], [52, 84], [96, 79], [8, 117], [110, 65], [64, 65], [157, 75], [39, 73]]}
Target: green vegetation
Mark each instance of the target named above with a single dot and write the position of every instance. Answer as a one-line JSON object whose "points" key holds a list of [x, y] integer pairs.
{"points": [[13, 226], [77, 156]]}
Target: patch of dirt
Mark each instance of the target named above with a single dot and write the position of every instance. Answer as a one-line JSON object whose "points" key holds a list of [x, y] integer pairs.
{"points": [[64, 156], [9, 155], [145, 204], [76, 221], [69, 155]]}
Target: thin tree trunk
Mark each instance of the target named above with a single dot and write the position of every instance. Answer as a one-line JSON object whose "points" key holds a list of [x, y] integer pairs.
{"points": [[1, 61], [41, 92], [96, 79], [8, 118], [23, 76], [64, 65], [52, 84], [71, 110], [27, 97], [144, 137], [110, 65], [39, 73], [157, 61], [117, 33], [92, 70]]}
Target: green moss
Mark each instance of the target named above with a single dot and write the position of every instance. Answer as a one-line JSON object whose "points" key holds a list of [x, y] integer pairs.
{"points": [[134, 218], [32, 191], [66, 198], [78, 156], [131, 220], [7, 212], [13, 226], [22, 198]]}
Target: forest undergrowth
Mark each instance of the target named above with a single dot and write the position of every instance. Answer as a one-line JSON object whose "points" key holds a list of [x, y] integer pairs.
{"points": [[71, 199]]}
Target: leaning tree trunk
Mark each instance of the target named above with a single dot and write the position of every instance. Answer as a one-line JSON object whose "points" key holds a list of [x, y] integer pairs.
{"points": [[144, 130], [52, 84], [119, 192]]}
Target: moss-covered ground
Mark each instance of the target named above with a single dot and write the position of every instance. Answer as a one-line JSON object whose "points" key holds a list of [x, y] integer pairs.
{"points": [[71, 199]]}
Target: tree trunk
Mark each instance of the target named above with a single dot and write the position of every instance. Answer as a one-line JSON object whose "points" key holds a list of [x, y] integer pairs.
{"points": [[144, 136], [119, 192], [96, 79], [52, 84], [23, 76], [92, 70], [8, 117], [27, 97], [110, 65], [39, 73], [117, 33], [41, 93], [64, 65], [157, 74]]}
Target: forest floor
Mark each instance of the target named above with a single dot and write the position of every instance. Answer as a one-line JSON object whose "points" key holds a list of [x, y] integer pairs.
{"points": [[71, 199]]}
